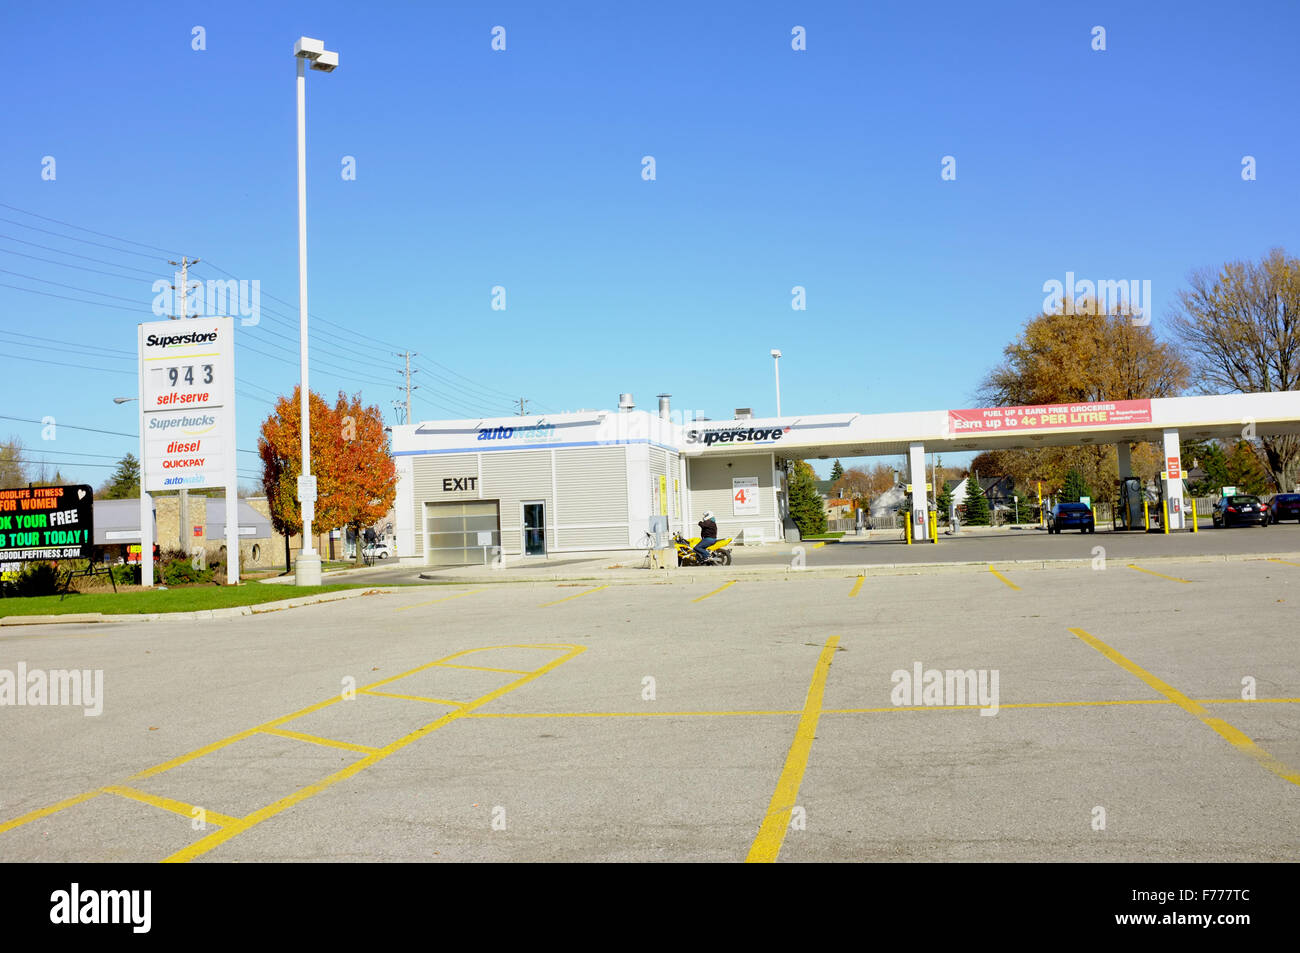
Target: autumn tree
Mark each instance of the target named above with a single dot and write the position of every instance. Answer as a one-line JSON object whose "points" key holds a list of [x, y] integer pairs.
{"points": [[356, 480], [363, 474], [1241, 326], [13, 472], [1064, 358]]}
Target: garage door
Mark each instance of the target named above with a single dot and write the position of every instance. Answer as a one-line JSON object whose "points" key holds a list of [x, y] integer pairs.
{"points": [[455, 534]]}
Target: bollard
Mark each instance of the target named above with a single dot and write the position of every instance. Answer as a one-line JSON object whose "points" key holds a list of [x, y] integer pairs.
{"points": [[1146, 515], [907, 527], [1195, 521], [1164, 503], [934, 526]]}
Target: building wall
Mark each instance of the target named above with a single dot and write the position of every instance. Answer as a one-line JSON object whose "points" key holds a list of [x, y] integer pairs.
{"points": [[711, 489]]}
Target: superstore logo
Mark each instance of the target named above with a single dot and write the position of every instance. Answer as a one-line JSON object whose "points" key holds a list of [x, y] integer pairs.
{"points": [[736, 435], [171, 340]]}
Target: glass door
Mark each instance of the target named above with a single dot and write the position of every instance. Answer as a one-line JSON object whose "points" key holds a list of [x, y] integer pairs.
{"points": [[534, 528]]}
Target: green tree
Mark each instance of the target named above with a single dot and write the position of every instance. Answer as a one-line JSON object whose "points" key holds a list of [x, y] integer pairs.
{"points": [[1075, 487], [944, 503], [807, 508], [837, 471], [977, 504], [124, 482], [1245, 471]]}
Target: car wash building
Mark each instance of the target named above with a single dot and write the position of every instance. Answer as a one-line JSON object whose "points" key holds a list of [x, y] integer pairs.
{"points": [[593, 480]]}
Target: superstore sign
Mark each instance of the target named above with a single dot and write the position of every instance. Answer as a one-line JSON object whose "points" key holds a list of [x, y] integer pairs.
{"points": [[1048, 416], [45, 522], [736, 435], [187, 381]]}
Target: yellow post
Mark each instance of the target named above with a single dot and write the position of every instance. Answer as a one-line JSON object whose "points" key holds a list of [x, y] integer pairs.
{"points": [[934, 526], [1195, 521], [1042, 517], [1146, 515], [1164, 503], [907, 528], [1094, 516]]}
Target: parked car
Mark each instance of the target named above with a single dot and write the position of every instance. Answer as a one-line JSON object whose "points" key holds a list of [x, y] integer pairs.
{"points": [[1284, 506], [377, 551], [1070, 516], [1240, 510]]}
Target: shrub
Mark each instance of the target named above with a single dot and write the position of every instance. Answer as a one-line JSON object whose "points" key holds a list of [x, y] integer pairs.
{"points": [[37, 579]]}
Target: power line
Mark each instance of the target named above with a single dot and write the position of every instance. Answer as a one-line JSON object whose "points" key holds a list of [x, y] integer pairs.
{"points": [[60, 251], [80, 228], [98, 304]]}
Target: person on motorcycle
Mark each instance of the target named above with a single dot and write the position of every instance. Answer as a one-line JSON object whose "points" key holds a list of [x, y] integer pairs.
{"points": [[708, 535]]}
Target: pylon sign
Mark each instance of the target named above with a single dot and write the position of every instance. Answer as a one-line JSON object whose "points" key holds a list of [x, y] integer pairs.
{"points": [[187, 389]]}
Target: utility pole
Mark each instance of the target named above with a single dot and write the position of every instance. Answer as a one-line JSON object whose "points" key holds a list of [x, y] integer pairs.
{"points": [[408, 355], [399, 408], [182, 299], [521, 413]]}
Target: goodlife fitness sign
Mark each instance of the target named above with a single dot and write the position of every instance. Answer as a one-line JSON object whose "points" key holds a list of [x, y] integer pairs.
{"points": [[1048, 417], [187, 411]]}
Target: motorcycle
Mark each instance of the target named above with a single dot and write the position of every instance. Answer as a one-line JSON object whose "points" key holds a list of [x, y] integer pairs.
{"points": [[718, 553]]}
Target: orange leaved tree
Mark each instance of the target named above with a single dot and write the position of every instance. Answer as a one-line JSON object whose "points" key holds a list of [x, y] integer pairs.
{"points": [[356, 480]]}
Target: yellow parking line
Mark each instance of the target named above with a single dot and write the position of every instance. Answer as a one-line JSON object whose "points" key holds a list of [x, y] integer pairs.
{"points": [[771, 833], [47, 811], [1282, 561], [167, 804], [318, 740], [714, 592], [484, 668], [575, 596], [215, 839], [861, 711], [412, 698], [417, 605], [819, 545], [857, 586], [1004, 578], [1221, 727], [1160, 574]]}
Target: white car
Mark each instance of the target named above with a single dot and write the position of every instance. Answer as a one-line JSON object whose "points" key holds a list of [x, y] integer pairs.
{"points": [[378, 551]]}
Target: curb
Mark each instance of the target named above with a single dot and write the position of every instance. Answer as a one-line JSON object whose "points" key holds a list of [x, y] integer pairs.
{"points": [[723, 573], [230, 612]]}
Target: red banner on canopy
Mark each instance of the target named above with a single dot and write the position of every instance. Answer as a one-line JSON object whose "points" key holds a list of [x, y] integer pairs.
{"points": [[1049, 416]]}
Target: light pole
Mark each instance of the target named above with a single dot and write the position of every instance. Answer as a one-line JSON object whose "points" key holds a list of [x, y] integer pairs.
{"points": [[776, 364], [307, 566]]}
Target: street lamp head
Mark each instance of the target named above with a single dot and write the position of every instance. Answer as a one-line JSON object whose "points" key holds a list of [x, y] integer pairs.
{"points": [[307, 48], [327, 62], [775, 352]]}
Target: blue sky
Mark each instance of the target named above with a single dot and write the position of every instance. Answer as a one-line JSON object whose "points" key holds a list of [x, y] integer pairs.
{"points": [[522, 168]]}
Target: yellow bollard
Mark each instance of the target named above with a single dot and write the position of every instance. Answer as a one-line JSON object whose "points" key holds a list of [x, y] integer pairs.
{"points": [[934, 526], [1146, 515], [907, 527], [1195, 521], [1164, 503]]}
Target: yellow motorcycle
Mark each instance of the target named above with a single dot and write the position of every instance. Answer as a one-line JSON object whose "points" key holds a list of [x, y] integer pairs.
{"points": [[719, 553]]}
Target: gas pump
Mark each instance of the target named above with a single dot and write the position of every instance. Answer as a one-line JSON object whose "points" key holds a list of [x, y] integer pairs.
{"points": [[1137, 506]]}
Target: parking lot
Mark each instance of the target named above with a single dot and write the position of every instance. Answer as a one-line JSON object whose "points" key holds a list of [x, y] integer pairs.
{"points": [[759, 719]]}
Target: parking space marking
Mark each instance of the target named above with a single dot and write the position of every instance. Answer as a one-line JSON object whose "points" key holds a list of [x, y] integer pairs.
{"points": [[229, 826], [484, 668], [857, 586], [1003, 578], [413, 698], [318, 740], [459, 595], [37, 814], [725, 585], [1282, 561], [169, 804], [771, 833], [1226, 731], [575, 596], [1160, 574]]}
